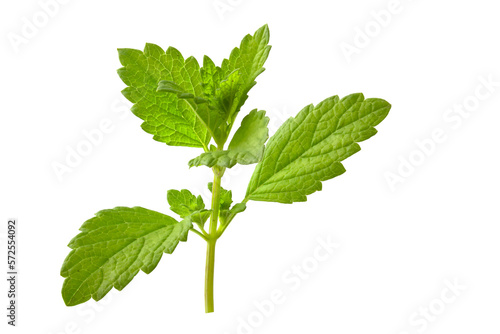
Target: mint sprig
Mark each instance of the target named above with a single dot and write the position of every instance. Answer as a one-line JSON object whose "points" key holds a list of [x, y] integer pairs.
{"points": [[185, 104]]}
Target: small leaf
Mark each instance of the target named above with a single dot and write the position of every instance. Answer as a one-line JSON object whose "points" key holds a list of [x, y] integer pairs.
{"points": [[187, 205], [309, 148], [229, 214], [225, 197], [113, 246], [225, 209], [200, 217], [183, 202], [225, 203], [246, 147]]}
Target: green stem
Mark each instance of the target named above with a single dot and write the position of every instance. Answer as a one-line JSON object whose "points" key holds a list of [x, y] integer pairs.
{"points": [[209, 277], [211, 240]]}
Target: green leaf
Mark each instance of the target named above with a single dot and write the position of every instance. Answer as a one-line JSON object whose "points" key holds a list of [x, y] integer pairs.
{"points": [[229, 214], [187, 205], [220, 90], [246, 147], [249, 61], [184, 202], [238, 207], [113, 246], [226, 197], [228, 88], [225, 95], [200, 217], [170, 119], [211, 76], [225, 209], [308, 149]]}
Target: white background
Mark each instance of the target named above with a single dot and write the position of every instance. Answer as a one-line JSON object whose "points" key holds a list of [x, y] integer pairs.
{"points": [[399, 245]]}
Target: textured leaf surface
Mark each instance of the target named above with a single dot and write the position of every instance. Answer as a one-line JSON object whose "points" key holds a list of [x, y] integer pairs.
{"points": [[309, 148], [183, 202], [211, 76], [113, 246], [248, 60], [219, 95], [187, 205], [246, 147], [167, 117]]}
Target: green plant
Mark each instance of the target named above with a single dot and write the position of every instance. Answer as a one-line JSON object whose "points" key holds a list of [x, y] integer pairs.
{"points": [[183, 104]]}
